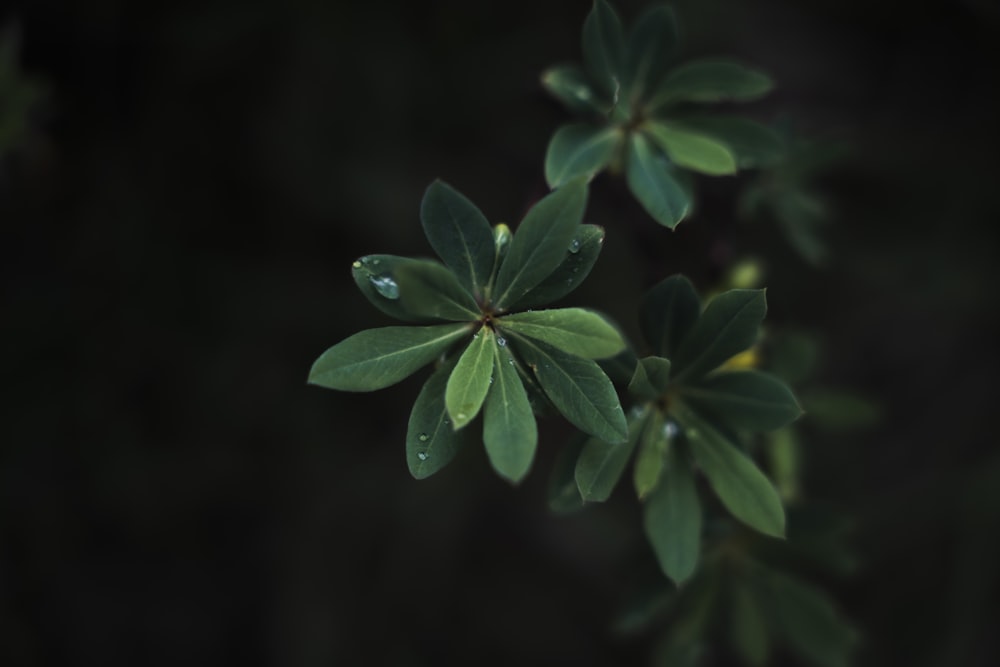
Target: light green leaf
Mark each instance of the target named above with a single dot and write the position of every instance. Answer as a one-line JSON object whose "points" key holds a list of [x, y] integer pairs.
{"points": [[651, 182], [728, 326], [431, 443], [601, 464], [580, 149], [373, 274], [650, 460], [378, 358], [509, 430], [578, 388], [736, 480], [666, 314], [576, 265], [650, 379], [672, 519], [744, 400], [540, 242], [711, 81], [753, 144], [577, 331], [428, 289], [603, 47], [809, 623], [563, 493], [748, 630], [459, 234], [651, 43], [569, 85], [692, 150], [470, 380]]}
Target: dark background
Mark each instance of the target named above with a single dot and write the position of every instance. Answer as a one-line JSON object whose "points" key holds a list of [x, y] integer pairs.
{"points": [[175, 241]]}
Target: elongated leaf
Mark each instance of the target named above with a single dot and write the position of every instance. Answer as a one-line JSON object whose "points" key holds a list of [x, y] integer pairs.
{"points": [[651, 43], [378, 358], [459, 234], [509, 430], [737, 480], [569, 85], [753, 144], [501, 240], [620, 367], [603, 46], [809, 623], [651, 457], [728, 326], [651, 182], [373, 274], [431, 442], [470, 380], [601, 464], [693, 150], [672, 520], [577, 331], [540, 243], [563, 493], [666, 314], [576, 265], [428, 289], [744, 400], [651, 378], [580, 149], [748, 630], [711, 81], [578, 388]]}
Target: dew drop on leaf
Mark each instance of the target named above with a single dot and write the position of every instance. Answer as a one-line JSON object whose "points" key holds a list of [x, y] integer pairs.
{"points": [[385, 286], [501, 341], [423, 437], [574, 246], [422, 456], [357, 264], [669, 429]]}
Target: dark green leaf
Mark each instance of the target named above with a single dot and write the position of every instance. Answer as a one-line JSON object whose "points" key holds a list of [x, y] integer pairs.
{"points": [[809, 623], [601, 464], [620, 367], [576, 265], [470, 380], [651, 378], [666, 314], [651, 458], [651, 182], [576, 331], [603, 47], [431, 443], [578, 388], [753, 144], [744, 400], [579, 150], [737, 480], [672, 520], [459, 234], [428, 289], [748, 630], [569, 85], [711, 81], [540, 242], [509, 430], [378, 358], [373, 274], [564, 495], [728, 326], [651, 43], [693, 150]]}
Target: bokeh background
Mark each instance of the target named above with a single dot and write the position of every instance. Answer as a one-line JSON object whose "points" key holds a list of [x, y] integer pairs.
{"points": [[177, 223]]}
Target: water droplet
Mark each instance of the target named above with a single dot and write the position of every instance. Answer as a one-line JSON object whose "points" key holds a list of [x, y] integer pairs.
{"points": [[491, 379], [385, 286], [569, 281], [635, 411], [510, 361], [670, 429], [422, 456], [447, 421], [357, 264], [375, 262], [576, 269], [574, 246], [501, 341], [423, 437]]}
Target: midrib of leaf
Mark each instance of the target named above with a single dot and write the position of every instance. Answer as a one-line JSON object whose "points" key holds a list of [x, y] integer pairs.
{"points": [[474, 277], [697, 392], [454, 333], [694, 363]]}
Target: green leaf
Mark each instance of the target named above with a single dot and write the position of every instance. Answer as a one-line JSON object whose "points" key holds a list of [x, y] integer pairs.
{"points": [[744, 400], [509, 430], [540, 242], [650, 379], [651, 182], [748, 630], [578, 388], [711, 81], [576, 265], [672, 520], [470, 381], [431, 443], [569, 85], [378, 358], [666, 314], [428, 289], [373, 274], [563, 493], [603, 47], [692, 150], [459, 234], [601, 464], [753, 144], [650, 460], [580, 149], [651, 43], [809, 623], [736, 480], [577, 331], [727, 327]]}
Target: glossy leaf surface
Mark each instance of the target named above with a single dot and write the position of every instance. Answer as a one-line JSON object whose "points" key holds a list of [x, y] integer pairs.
{"points": [[569, 85], [712, 80], [509, 430], [728, 326], [431, 442], [601, 464], [667, 313], [603, 47], [580, 149], [651, 458], [651, 182], [580, 257], [692, 150], [672, 520], [459, 234], [373, 274], [428, 289], [753, 144], [470, 381], [577, 331], [744, 400]]}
